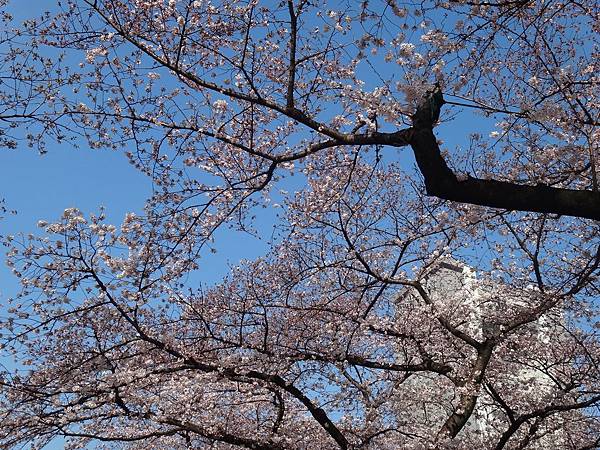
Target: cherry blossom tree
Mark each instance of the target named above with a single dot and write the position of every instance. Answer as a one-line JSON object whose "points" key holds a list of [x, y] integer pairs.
{"points": [[449, 303]]}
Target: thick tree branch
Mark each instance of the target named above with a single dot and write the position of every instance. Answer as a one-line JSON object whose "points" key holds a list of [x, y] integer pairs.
{"points": [[292, 68], [463, 412], [441, 182]]}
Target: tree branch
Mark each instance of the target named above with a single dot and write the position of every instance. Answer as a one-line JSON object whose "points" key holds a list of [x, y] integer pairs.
{"points": [[292, 69], [463, 412], [441, 182]]}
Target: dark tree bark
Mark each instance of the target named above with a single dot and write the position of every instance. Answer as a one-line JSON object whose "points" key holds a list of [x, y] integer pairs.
{"points": [[441, 182]]}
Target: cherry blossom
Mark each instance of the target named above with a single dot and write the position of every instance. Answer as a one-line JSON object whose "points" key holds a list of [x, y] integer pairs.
{"points": [[415, 294]]}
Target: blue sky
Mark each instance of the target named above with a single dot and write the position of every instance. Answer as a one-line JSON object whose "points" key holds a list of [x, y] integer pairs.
{"points": [[41, 187]]}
